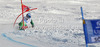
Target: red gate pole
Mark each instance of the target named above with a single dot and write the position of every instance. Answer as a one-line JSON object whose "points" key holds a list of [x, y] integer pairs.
{"points": [[22, 14]]}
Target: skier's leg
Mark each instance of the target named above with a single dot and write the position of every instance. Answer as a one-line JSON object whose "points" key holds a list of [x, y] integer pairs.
{"points": [[26, 26], [20, 25]]}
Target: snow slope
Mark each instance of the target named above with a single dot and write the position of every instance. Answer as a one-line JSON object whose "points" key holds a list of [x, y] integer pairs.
{"points": [[57, 23]]}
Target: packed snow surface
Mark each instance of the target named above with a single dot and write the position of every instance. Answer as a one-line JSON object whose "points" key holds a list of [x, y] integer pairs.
{"points": [[58, 23]]}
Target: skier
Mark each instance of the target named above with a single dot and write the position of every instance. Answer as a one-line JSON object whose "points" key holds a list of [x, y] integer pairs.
{"points": [[27, 20]]}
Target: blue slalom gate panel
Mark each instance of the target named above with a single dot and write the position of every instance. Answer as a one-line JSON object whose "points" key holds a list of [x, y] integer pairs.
{"points": [[92, 31]]}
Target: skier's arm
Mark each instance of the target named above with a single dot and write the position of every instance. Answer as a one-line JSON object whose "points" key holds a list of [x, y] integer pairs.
{"points": [[32, 23]]}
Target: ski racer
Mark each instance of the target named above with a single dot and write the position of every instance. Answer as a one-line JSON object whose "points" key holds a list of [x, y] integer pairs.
{"points": [[27, 20]]}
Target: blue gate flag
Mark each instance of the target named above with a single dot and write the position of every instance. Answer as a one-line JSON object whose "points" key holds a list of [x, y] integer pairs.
{"points": [[92, 30]]}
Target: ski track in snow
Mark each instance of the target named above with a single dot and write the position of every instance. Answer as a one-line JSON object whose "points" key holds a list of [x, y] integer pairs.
{"points": [[4, 35]]}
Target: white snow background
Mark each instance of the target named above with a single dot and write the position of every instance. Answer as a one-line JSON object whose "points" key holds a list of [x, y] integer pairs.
{"points": [[58, 23]]}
